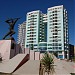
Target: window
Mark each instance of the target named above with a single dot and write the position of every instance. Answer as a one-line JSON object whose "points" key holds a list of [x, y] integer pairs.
{"points": [[51, 40], [59, 23], [55, 11], [60, 52], [55, 44], [55, 33], [52, 11], [35, 44], [55, 17], [55, 20], [50, 48], [56, 47], [49, 44], [59, 39], [60, 48], [55, 14], [56, 30], [26, 45], [53, 47], [51, 27], [59, 44], [50, 15], [56, 24], [59, 30], [55, 36], [59, 26], [34, 38]]}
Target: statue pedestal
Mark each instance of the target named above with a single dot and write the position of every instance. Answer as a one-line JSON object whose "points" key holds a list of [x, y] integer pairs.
{"points": [[8, 49]]}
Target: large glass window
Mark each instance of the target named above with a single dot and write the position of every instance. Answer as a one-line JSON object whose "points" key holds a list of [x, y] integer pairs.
{"points": [[49, 44], [35, 44], [50, 48]]}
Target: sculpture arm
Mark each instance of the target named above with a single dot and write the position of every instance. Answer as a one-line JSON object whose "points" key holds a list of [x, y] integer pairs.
{"points": [[15, 20]]}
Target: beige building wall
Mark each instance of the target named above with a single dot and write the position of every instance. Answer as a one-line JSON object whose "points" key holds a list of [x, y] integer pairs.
{"points": [[8, 49]]}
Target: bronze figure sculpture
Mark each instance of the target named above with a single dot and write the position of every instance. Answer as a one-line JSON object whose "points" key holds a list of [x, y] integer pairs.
{"points": [[11, 23]]}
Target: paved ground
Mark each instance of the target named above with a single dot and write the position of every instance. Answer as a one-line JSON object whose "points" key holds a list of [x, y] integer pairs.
{"points": [[12, 64], [63, 67], [31, 67]]}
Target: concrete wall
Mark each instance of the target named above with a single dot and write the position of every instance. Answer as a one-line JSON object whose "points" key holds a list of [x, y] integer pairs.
{"points": [[37, 55], [8, 49], [5, 49], [26, 51], [32, 55]]}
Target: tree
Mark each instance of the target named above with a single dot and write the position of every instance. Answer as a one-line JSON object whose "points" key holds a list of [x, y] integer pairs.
{"points": [[48, 63]]}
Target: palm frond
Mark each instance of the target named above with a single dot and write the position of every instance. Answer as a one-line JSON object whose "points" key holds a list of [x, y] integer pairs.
{"points": [[48, 62]]}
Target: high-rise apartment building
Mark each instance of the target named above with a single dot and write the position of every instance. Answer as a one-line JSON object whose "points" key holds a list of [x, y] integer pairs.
{"points": [[48, 32], [57, 30], [35, 29], [21, 34]]}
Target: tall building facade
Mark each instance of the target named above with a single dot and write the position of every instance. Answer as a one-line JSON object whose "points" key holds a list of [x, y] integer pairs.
{"points": [[43, 30], [48, 32], [57, 30], [21, 35], [35, 29]]}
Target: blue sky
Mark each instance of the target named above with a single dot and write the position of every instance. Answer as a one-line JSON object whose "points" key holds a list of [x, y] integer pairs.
{"points": [[19, 8]]}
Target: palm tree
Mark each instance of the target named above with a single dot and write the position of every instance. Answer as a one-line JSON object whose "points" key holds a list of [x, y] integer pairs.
{"points": [[48, 63]]}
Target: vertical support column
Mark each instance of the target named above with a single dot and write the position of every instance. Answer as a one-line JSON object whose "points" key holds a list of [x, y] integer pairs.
{"points": [[37, 55], [27, 50], [67, 54], [63, 54], [31, 55]]}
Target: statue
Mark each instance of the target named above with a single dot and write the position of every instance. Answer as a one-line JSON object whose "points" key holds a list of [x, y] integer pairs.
{"points": [[11, 23]]}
